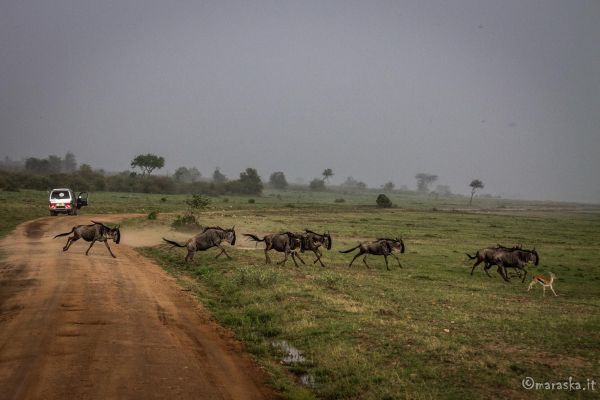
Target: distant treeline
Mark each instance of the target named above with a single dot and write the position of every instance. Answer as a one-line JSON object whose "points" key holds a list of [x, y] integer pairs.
{"points": [[54, 171], [86, 179]]}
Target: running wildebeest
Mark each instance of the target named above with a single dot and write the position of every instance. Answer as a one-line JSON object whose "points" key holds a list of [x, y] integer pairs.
{"points": [[211, 236], [380, 247], [486, 255], [286, 242], [97, 232], [312, 241], [514, 258]]}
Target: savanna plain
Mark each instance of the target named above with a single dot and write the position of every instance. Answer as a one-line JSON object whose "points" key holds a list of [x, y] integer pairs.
{"points": [[425, 330]]}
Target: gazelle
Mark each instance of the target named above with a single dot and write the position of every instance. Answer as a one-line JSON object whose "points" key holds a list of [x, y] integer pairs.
{"points": [[544, 281]]}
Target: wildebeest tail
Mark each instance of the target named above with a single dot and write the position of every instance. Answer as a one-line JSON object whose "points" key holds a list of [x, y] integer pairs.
{"points": [[172, 243], [254, 237], [349, 250], [64, 234], [470, 256]]}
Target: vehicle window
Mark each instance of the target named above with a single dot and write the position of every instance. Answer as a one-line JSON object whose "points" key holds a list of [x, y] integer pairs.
{"points": [[60, 194]]}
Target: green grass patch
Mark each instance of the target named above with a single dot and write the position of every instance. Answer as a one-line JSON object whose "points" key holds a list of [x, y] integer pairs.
{"points": [[428, 330]]}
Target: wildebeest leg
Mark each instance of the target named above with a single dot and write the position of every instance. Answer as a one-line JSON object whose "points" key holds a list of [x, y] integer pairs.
{"points": [[190, 255], [524, 274], [486, 269], [294, 258], [319, 260], [88, 250], [474, 265], [298, 255], [500, 270], [318, 254], [397, 259], [518, 272], [267, 259], [386, 262], [222, 251], [365, 260], [285, 258], [355, 257], [109, 250], [69, 242]]}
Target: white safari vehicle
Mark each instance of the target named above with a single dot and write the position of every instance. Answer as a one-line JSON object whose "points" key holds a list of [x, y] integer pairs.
{"points": [[64, 201]]}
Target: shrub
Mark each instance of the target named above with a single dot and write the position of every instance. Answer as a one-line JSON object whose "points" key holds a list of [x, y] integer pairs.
{"points": [[186, 222], [340, 200], [317, 185], [197, 202], [152, 215], [251, 201], [383, 201]]}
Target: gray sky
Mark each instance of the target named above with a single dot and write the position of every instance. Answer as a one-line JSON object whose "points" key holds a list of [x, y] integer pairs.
{"points": [[504, 91]]}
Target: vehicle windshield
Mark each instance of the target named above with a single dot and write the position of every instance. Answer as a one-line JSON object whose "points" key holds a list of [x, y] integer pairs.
{"points": [[60, 194]]}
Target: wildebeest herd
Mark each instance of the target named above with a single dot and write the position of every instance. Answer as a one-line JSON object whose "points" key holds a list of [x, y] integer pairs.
{"points": [[290, 243]]}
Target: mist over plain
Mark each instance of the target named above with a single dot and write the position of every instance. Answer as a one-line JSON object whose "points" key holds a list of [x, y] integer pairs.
{"points": [[506, 92]]}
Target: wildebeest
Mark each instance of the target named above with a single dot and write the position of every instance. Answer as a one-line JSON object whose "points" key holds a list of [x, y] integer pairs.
{"points": [[97, 232], [286, 242], [486, 255], [514, 258], [380, 247], [211, 236], [313, 241]]}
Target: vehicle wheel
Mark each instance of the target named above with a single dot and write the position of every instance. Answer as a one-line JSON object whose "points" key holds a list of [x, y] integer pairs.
{"points": [[74, 212], [53, 213]]}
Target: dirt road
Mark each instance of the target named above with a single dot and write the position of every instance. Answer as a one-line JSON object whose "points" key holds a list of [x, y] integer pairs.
{"points": [[77, 327]]}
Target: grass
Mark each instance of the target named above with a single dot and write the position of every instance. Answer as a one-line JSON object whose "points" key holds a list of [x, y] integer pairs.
{"points": [[428, 330]]}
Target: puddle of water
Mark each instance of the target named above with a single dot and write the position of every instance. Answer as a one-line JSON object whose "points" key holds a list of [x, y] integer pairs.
{"points": [[292, 354], [308, 380]]}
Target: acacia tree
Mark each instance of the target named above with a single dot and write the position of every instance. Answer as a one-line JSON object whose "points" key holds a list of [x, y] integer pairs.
{"points": [[218, 176], [327, 173], [277, 180], [69, 162], [188, 175], [475, 184], [148, 163], [424, 180], [250, 182]]}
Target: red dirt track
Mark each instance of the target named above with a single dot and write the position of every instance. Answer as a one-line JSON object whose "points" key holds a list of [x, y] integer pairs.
{"points": [[77, 327]]}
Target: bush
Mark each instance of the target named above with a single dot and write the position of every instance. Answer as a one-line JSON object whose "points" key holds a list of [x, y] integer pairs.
{"points": [[152, 215], [251, 201], [198, 202], [340, 200], [186, 222], [317, 185], [383, 201]]}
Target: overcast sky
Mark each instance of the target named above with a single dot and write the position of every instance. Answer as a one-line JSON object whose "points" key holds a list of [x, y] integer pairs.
{"points": [[504, 91]]}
